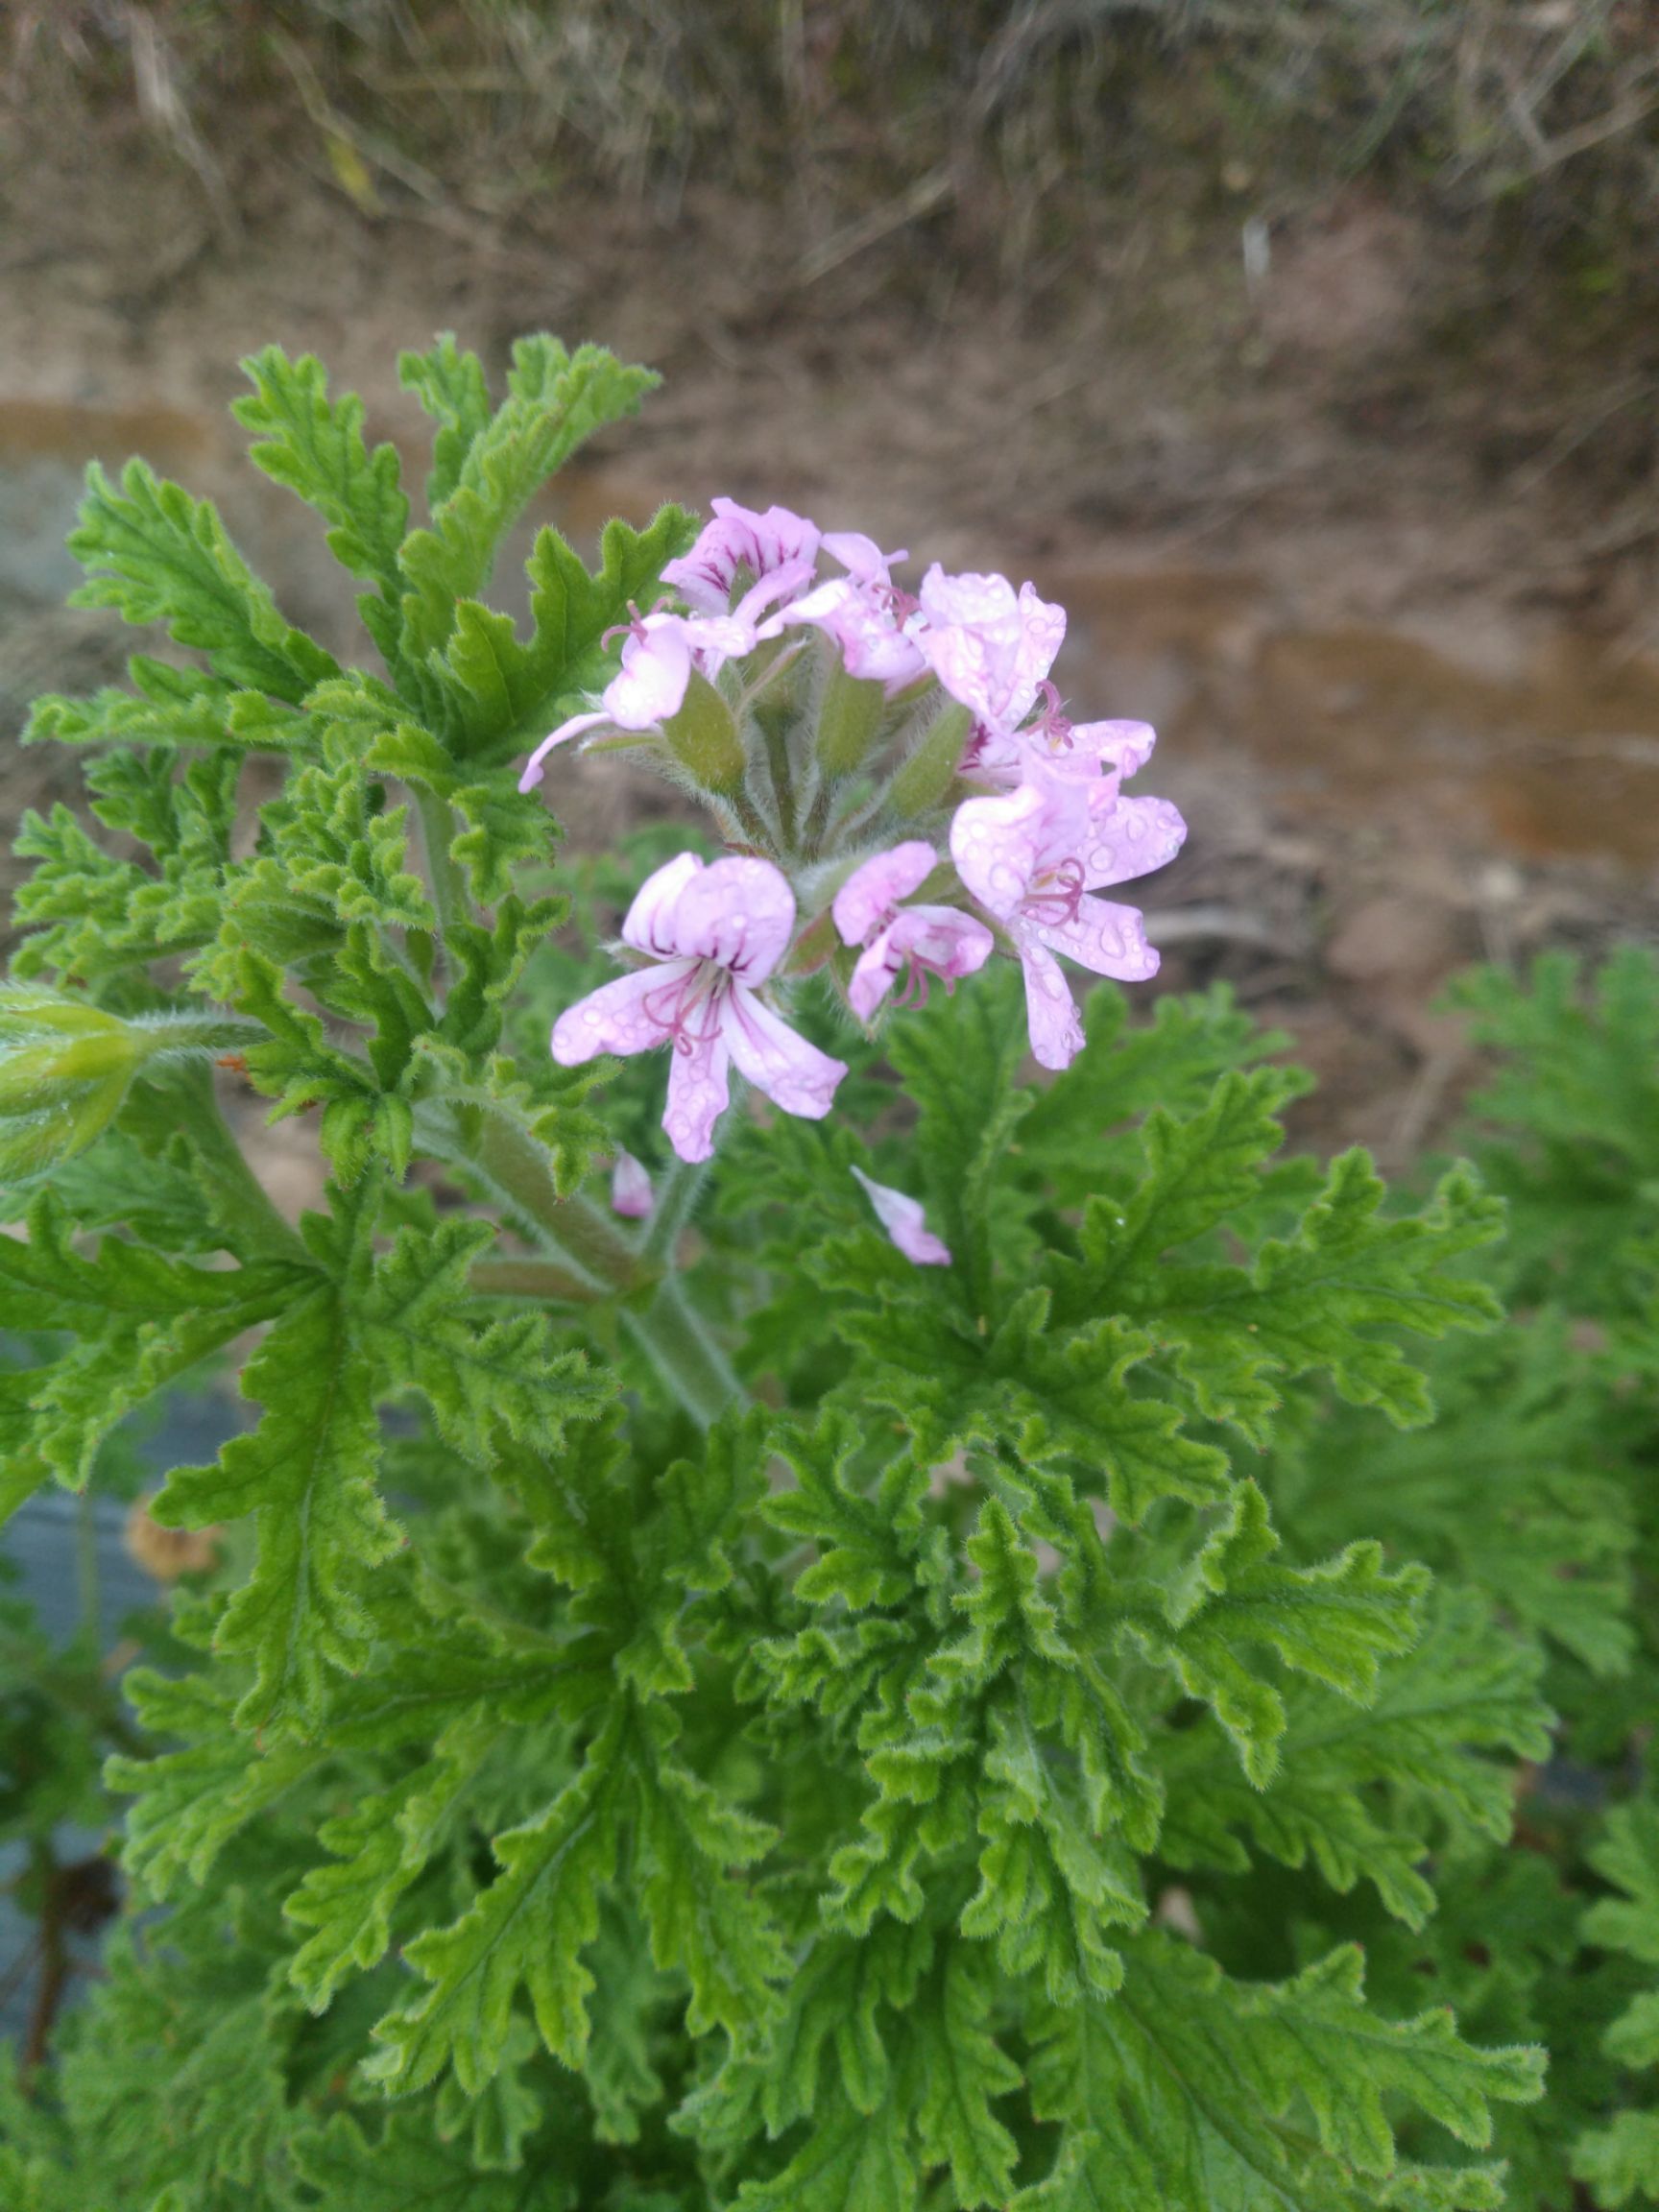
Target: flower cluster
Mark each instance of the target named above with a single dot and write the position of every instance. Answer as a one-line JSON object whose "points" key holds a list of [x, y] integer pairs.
{"points": [[903, 796]]}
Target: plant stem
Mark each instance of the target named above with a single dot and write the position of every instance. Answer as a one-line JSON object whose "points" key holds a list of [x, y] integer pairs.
{"points": [[677, 1194], [685, 1356], [588, 1251], [437, 832]]}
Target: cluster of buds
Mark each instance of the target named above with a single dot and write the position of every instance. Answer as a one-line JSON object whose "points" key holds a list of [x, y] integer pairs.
{"points": [[902, 795]]}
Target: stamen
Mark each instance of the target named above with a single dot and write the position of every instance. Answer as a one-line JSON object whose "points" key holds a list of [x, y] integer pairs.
{"points": [[1051, 723], [672, 1007], [635, 627], [1052, 907]]}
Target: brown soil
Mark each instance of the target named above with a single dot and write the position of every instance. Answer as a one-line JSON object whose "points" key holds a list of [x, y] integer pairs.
{"points": [[1381, 573]]}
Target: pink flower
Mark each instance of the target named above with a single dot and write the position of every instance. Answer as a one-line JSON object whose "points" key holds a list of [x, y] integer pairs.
{"points": [[1029, 856], [715, 934], [862, 620], [737, 539], [658, 657], [904, 1222], [631, 1192], [936, 939], [990, 648], [1049, 743]]}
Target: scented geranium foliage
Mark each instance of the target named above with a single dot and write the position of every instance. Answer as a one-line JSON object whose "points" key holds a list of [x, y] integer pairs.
{"points": [[748, 1664]]}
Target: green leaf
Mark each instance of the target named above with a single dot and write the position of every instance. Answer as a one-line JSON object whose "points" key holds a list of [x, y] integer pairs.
{"points": [[1365, 1793], [189, 1803], [555, 401], [527, 1930], [407, 2163], [450, 385], [1315, 1303], [1621, 2159], [156, 555], [314, 446], [1056, 1397], [1334, 1621], [1188, 2093], [503, 695], [309, 1475], [482, 1379], [137, 1322]]}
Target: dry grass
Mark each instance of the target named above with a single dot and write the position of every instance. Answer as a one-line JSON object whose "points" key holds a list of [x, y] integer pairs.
{"points": [[1024, 117]]}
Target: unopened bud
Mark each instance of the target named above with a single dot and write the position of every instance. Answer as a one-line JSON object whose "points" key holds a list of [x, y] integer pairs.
{"points": [[65, 1067], [64, 1070], [922, 782], [704, 738], [852, 709]]}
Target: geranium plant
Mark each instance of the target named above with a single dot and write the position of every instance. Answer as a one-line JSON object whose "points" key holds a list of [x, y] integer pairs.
{"points": [[748, 1663]]}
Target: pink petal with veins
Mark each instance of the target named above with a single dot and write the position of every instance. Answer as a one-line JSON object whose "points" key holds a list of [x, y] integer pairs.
{"points": [[699, 1092], [906, 1222], [872, 643], [778, 1060], [738, 912], [740, 537], [938, 940], [619, 1017], [649, 924], [866, 900]]}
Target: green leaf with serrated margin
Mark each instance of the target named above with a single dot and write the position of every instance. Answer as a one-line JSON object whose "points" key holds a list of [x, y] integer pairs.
{"points": [[156, 555]]}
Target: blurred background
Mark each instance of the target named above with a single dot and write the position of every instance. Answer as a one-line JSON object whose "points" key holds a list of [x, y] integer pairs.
{"points": [[1306, 349]]}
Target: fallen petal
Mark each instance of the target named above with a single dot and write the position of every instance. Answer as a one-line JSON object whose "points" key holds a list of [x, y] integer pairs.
{"points": [[904, 1222]]}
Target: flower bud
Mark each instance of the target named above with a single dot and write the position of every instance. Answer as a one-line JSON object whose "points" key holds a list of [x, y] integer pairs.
{"points": [[64, 1070], [704, 738], [922, 782], [850, 716]]}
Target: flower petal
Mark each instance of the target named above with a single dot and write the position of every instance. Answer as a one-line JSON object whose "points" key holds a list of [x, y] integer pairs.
{"points": [[1050, 1013], [1109, 938], [617, 1018], [739, 912], [874, 974], [1129, 837], [649, 924], [997, 842], [777, 1059], [871, 642], [656, 668], [1126, 746], [860, 556], [944, 939], [1042, 633], [876, 886], [904, 1221], [699, 1092], [740, 537], [987, 646], [631, 1192], [572, 728]]}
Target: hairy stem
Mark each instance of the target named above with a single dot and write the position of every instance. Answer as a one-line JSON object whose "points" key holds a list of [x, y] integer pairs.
{"points": [[437, 832], [590, 1257], [685, 1356]]}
